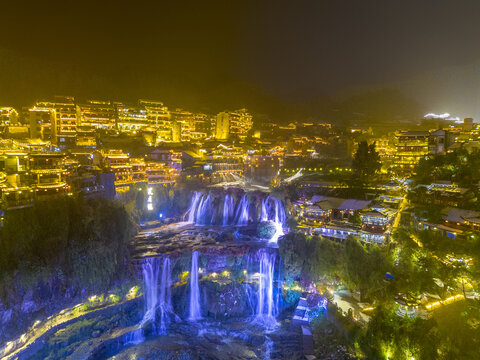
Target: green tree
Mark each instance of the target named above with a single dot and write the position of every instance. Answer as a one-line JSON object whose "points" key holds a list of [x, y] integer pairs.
{"points": [[389, 336], [366, 163], [365, 268], [85, 240]]}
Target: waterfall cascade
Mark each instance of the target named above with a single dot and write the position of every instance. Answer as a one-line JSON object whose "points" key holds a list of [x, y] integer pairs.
{"points": [[156, 300], [150, 272], [279, 211], [228, 209], [194, 206], [243, 208], [274, 213], [265, 209], [194, 309], [203, 211], [166, 308], [267, 308]]}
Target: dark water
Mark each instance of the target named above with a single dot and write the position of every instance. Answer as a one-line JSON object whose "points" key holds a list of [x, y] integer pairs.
{"points": [[214, 340]]}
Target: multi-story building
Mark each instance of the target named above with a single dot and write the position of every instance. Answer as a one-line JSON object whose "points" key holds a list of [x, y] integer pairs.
{"points": [[172, 159], [384, 148], [262, 168], [97, 114], [440, 141], [193, 126], [240, 122], [48, 174], [184, 120], [32, 145], [86, 137], [8, 115], [118, 163], [15, 179], [157, 113], [467, 124], [41, 119], [222, 128], [163, 135], [63, 120], [131, 118], [176, 132], [148, 113], [138, 170], [204, 125], [159, 174], [410, 147], [226, 163]]}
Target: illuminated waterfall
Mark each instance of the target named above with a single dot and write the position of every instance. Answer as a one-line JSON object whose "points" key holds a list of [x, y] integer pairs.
{"points": [[156, 300], [195, 310], [228, 209], [204, 213], [151, 272], [166, 309], [264, 209], [266, 306], [243, 208], [275, 214], [278, 220], [279, 211], [193, 206], [205, 210]]}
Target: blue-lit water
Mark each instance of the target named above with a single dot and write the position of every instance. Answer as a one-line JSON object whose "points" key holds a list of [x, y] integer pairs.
{"points": [[195, 312]]}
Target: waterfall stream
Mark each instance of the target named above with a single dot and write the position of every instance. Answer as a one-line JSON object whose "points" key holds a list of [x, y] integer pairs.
{"points": [[204, 209], [243, 208], [228, 209], [194, 309], [266, 306]]}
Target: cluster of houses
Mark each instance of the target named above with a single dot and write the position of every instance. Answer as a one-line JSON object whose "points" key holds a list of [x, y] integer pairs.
{"points": [[338, 218], [373, 220]]}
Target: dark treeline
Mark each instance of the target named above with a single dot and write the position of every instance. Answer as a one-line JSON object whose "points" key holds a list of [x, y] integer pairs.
{"points": [[362, 268], [82, 241]]}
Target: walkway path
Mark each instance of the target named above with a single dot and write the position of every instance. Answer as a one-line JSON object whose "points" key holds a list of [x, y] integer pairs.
{"points": [[301, 319]]}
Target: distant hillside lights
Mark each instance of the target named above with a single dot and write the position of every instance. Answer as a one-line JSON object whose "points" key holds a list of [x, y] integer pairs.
{"points": [[68, 123]]}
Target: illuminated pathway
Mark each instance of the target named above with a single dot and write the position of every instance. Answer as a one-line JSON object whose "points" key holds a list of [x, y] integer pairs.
{"points": [[52, 324], [401, 207], [450, 300]]}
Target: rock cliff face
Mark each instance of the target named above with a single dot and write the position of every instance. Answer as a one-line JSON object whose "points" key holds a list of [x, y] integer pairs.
{"points": [[29, 299], [228, 282]]}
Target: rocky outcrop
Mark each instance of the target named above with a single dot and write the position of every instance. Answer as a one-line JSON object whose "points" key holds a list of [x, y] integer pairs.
{"points": [[30, 299], [266, 229]]}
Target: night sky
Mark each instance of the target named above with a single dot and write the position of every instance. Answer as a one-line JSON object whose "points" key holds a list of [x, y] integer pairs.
{"points": [[285, 58]]}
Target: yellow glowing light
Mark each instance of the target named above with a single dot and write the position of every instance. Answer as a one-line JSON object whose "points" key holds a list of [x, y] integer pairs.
{"points": [[184, 275], [9, 346], [133, 290]]}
